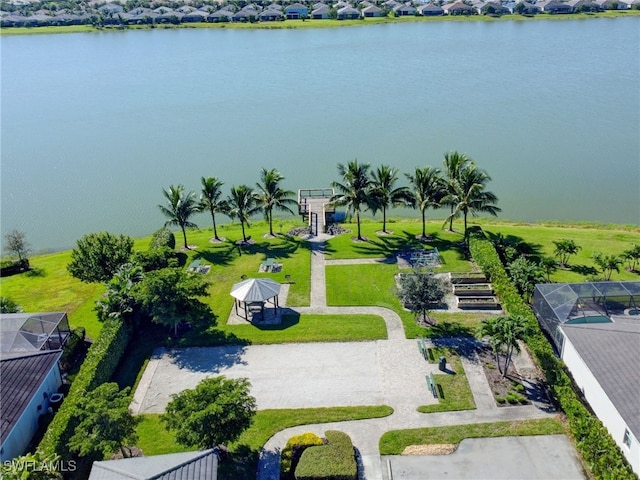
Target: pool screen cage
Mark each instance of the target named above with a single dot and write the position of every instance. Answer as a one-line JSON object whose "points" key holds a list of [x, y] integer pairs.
{"points": [[590, 302], [31, 332]]}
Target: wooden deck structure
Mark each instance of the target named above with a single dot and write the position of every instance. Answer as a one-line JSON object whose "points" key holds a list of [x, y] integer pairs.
{"points": [[314, 206]]}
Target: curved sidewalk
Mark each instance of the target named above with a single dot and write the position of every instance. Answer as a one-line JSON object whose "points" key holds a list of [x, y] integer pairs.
{"points": [[366, 433]]}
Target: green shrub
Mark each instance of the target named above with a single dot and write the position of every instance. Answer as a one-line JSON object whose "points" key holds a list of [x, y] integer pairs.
{"points": [[163, 238], [334, 461], [520, 388], [500, 400], [156, 259], [599, 451], [101, 361], [292, 451], [72, 348]]}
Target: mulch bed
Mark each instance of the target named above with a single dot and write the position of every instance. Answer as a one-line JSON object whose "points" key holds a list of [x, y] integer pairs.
{"points": [[501, 386]]}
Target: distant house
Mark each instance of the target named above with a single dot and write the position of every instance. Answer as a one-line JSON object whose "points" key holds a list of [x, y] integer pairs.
{"points": [[275, 6], [457, 8], [595, 329], [173, 17], [404, 10], [220, 16], [553, 6], [371, 11], [270, 15], [197, 16], [584, 6], [111, 8], [295, 11], [199, 465], [348, 13], [245, 15], [528, 8], [320, 11], [429, 9], [614, 4], [27, 384], [492, 8]]}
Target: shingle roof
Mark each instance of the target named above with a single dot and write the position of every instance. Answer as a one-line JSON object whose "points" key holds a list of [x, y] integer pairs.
{"points": [[199, 465], [20, 379], [611, 351]]}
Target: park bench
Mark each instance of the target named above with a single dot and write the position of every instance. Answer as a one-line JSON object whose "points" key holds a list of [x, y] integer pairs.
{"points": [[432, 385]]}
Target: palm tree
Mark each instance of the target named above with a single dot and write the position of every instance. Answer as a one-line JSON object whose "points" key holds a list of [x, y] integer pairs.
{"points": [[471, 196], [271, 196], [354, 189], [491, 328], [210, 199], [513, 329], [242, 203], [427, 191], [383, 192], [454, 162], [182, 206]]}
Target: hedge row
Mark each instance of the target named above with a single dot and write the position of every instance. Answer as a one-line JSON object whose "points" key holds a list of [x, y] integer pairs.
{"points": [[334, 461], [101, 361], [292, 451], [599, 451]]}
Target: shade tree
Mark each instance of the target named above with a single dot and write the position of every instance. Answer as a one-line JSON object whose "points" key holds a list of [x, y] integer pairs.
{"points": [[420, 291], [215, 412], [98, 256], [16, 244]]}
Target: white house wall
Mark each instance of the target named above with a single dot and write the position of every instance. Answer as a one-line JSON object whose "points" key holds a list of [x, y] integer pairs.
{"points": [[26, 427], [600, 403]]}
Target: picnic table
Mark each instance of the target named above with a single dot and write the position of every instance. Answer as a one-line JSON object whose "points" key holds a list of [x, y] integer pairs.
{"points": [[267, 265], [193, 266]]}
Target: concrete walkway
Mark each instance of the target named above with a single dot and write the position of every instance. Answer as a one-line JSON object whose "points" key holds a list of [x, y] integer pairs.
{"points": [[366, 433]]}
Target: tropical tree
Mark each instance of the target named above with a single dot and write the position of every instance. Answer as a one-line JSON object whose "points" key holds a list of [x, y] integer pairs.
{"points": [[119, 301], [633, 256], [471, 195], [504, 335], [270, 195], [242, 204], [607, 264], [98, 256], [211, 200], [353, 191], [7, 305], [216, 412], [106, 424], [32, 466], [420, 291], [385, 194], [16, 243], [564, 249], [453, 164], [549, 265], [171, 296], [181, 207], [427, 191], [525, 274]]}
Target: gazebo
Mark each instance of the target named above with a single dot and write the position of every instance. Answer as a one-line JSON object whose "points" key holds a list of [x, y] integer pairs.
{"points": [[253, 293]]}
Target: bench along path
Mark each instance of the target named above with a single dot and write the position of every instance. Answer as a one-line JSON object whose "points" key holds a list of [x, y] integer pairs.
{"points": [[366, 433]]}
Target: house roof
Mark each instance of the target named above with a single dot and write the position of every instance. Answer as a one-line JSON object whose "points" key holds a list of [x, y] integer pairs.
{"points": [[20, 379], [199, 465], [610, 351]]}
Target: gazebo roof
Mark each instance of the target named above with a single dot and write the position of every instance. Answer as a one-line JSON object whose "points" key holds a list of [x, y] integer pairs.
{"points": [[255, 290]]}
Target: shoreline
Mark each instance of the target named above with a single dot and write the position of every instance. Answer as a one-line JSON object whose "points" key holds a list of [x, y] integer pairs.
{"points": [[325, 23], [481, 221]]}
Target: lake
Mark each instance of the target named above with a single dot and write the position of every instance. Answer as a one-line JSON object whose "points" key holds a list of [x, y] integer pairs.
{"points": [[94, 126]]}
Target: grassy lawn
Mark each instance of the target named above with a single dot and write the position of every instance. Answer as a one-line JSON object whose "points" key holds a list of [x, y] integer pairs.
{"points": [[395, 441], [154, 439], [454, 392], [592, 239]]}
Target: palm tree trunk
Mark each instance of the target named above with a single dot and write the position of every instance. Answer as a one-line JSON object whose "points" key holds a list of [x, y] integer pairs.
{"points": [[358, 221], [451, 219], [465, 226], [244, 237], [184, 234], [507, 361], [384, 219], [215, 231], [424, 231], [270, 215]]}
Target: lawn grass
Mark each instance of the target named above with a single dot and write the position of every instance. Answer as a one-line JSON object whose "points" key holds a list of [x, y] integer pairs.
{"points": [[395, 441], [454, 393], [593, 238], [154, 439]]}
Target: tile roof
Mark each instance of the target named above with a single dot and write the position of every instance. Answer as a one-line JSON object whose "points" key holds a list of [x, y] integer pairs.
{"points": [[20, 379], [611, 351], [199, 465]]}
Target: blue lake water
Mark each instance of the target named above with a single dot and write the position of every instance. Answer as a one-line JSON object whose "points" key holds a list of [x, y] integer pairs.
{"points": [[95, 125]]}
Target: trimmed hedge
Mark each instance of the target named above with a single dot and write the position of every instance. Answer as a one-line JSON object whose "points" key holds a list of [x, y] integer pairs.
{"points": [[101, 361], [292, 451], [334, 461], [599, 451], [72, 347]]}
